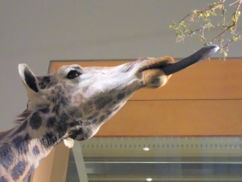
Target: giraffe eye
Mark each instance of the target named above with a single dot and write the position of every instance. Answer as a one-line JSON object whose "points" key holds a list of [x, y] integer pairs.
{"points": [[73, 74]]}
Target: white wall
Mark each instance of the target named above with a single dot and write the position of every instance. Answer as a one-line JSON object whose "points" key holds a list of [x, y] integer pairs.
{"points": [[36, 31]]}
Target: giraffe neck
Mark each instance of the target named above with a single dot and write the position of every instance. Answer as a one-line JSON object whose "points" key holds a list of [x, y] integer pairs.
{"points": [[39, 130], [24, 146]]}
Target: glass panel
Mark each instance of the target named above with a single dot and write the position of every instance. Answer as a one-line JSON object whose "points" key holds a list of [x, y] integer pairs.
{"points": [[173, 159]]}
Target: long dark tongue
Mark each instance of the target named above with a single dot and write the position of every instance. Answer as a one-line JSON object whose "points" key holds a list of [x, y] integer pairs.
{"points": [[197, 56]]}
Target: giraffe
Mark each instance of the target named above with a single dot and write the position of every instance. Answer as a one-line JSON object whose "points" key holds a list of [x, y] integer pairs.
{"points": [[75, 102]]}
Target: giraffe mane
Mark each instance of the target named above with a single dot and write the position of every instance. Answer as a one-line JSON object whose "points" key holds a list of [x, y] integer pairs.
{"points": [[22, 117]]}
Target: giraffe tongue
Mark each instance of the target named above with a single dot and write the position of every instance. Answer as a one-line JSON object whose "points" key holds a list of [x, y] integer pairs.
{"points": [[197, 56]]}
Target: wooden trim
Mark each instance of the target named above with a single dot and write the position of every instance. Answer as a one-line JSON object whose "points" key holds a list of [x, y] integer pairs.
{"points": [[54, 167], [176, 118], [60, 163]]}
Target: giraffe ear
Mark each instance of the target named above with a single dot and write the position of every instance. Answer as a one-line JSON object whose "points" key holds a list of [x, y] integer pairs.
{"points": [[28, 78]]}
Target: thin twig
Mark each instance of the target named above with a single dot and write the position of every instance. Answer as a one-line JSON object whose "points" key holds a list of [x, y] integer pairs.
{"points": [[184, 28]]}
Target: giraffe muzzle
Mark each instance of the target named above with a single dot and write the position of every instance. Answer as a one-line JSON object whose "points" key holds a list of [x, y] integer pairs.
{"points": [[157, 71], [168, 65]]}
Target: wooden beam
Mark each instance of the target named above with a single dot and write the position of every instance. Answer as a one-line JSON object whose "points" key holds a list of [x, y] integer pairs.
{"points": [[54, 167], [176, 118], [60, 164]]}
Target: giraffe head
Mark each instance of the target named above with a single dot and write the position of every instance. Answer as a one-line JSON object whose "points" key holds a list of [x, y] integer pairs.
{"points": [[80, 99], [84, 97], [74, 102]]}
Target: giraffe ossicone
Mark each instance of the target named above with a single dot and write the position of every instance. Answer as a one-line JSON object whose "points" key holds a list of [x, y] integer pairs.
{"points": [[72, 104]]}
